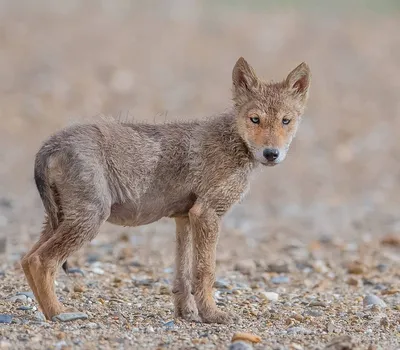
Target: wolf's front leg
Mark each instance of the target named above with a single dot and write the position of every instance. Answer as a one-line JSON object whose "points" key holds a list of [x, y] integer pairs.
{"points": [[205, 228], [185, 305]]}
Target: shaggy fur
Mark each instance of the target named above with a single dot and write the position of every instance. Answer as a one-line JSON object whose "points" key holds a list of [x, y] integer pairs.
{"points": [[135, 174]]}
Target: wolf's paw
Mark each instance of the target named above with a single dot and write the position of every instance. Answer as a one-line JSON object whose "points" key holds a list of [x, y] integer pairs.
{"points": [[190, 314], [53, 309], [185, 307], [218, 316]]}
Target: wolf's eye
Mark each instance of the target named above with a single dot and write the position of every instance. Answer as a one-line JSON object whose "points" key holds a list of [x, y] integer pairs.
{"points": [[285, 121], [255, 120]]}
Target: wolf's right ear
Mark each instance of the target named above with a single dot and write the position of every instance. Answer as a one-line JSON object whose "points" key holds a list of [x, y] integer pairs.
{"points": [[244, 78]]}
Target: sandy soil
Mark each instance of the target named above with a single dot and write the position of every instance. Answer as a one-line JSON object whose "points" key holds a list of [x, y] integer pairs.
{"points": [[321, 230]]}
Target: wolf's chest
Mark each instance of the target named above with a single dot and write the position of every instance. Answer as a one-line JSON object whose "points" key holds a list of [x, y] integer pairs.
{"points": [[244, 193]]}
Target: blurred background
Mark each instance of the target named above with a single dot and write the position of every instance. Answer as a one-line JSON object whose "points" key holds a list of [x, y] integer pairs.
{"points": [[63, 61]]}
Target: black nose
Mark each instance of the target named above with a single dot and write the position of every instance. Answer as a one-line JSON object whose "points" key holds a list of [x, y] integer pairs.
{"points": [[271, 154]]}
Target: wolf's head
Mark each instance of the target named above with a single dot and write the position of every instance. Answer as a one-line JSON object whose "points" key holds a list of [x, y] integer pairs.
{"points": [[268, 114]]}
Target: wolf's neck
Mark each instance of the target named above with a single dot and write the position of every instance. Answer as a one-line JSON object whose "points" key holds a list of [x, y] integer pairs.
{"points": [[223, 130]]}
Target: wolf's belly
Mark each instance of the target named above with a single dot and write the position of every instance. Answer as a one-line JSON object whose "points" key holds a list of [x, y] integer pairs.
{"points": [[151, 210]]}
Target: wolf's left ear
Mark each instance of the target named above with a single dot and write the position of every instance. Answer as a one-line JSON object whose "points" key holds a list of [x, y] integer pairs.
{"points": [[298, 81]]}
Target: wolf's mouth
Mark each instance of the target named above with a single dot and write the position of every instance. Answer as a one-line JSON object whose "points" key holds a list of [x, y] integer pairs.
{"points": [[270, 163]]}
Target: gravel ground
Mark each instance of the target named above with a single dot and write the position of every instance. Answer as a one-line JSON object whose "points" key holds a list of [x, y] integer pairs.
{"points": [[309, 260], [299, 297]]}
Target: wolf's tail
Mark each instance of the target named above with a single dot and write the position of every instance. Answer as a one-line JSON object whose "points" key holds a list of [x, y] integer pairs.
{"points": [[46, 190]]}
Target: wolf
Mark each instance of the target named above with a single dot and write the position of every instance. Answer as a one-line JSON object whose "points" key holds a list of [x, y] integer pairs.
{"points": [[134, 174]]}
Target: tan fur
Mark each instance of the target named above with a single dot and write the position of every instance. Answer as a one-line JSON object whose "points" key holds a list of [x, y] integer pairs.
{"points": [[135, 174]]}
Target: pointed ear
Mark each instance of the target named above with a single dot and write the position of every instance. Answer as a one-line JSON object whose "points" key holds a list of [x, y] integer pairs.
{"points": [[298, 81], [243, 77]]}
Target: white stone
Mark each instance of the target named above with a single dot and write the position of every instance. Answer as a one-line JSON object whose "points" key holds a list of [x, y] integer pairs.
{"points": [[271, 296]]}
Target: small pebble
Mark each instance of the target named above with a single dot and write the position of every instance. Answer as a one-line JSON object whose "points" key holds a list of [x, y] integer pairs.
{"points": [[5, 318], [330, 327], [317, 303], [295, 346], [75, 270], [79, 288], [320, 266], [378, 286], [314, 313], [240, 345], [97, 270], [169, 270], [92, 325], [150, 329], [164, 290], [117, 280], [24, 308], [392, 240], [27, 294], [61, 345], [298, 330], [61, 335], [278, 268], [70, 316], [247, 337], [372, 299], [92, 258], [221, 284], [76, 341], [280, 279], [170, 325], [298, 317], [148, 282], [382, 267], [390, 291], [353, 281], [40, 317], [356, 268], [304, 266], [21, 298], [271, 296]]}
